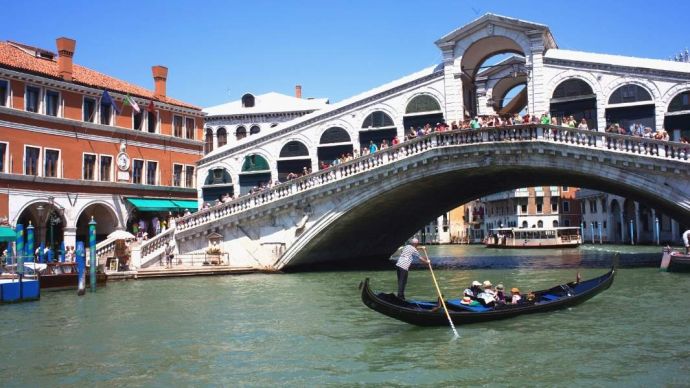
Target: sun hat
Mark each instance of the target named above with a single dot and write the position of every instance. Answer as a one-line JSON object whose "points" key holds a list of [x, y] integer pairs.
{"points": [[515, 289], [487, 283], [466, 300], [499, 286], [476, 283]]}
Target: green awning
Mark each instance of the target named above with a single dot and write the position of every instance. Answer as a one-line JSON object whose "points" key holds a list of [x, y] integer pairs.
{"points": [[160, 204], [7, 234]]}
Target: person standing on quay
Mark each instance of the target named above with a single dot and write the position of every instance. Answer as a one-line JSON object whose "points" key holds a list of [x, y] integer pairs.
{"points": [[408, 254]]}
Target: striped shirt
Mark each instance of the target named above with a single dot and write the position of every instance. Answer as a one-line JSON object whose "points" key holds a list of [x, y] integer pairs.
{"points": [[408, 254]]}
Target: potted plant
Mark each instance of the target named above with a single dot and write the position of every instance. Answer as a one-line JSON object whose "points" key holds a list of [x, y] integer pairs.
{"points": [[213, 254]]}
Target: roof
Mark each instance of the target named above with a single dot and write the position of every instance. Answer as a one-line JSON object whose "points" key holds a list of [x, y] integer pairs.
{"points": [[21, 58], [618, 60], [268, 103]]}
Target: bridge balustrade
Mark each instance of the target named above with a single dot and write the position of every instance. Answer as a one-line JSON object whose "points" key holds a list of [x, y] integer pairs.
{"points": [[527, 132]]}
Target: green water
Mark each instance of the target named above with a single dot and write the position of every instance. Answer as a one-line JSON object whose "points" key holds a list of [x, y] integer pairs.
{"points": [[311, 329]]}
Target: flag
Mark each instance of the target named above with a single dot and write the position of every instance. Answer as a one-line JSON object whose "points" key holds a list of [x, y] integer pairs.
{"points": [[129, 101], [151, 108], [107, 100]]}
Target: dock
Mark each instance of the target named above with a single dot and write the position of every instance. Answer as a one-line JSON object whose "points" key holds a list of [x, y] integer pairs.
{"points": [[158, 272]]}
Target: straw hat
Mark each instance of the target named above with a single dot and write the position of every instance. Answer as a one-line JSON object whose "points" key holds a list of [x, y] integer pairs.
{"points": [[515, 290], [476, 283], [466, 300], [487, 283]]}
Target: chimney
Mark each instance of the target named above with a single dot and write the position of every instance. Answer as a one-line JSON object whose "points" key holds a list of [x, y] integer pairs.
{"points": [[298, 91], [160, 75], [65, 47]]}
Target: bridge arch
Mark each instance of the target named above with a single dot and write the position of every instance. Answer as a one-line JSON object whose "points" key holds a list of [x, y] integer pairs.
{"points": [[422, 190]]}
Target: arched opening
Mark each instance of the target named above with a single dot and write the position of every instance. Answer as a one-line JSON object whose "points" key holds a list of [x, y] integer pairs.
{"points": [[422, 110], [334, 143], [217, 184], [222, 136], [631, 107], [574, 97], [293, 160], [48, 222], [540, 224], [525, 224], [481, 56], [254, 130], [377, 127], [106, 222], [677, 118], [255, 174], [248, 101], [555, 223], [240, 133], [208, 141], [512, 100]]}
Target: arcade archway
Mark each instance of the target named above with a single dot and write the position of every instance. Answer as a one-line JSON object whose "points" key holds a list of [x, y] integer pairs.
{"points": [[106, 222], [630, 105], [376, 127], [574, 97], [677, 118], [422, 110], [334, 142], [255, 173], [293, 159], [48, 222], [217, 183]]}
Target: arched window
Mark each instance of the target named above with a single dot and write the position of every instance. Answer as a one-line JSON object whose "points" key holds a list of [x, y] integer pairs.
{"points": [[293, 149], [254, 129], [217, 176], [540, 224], [524, 224], [629, 93], [222, 136], [555, 223], [254, 163], [680, 102], [422, 103], [208, 144], [377, 119], [334, 135], [248, 101], [240, 133], [573, 88]]}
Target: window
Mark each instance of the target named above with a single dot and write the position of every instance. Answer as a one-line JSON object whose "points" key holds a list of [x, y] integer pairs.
{"points": [[52, 103], [151, 171], [137, 171], [554, 207], [539, 207], [240, 133], [523, 208], [540, 224], [137, 119], [572, 88], [106, 113], [4, 93], [221, 136], [208, 144], [247, 101], [254, 130], [89, 167], [629, 93], [566, 222], [177, 126], [89, 109], [3, 157], [421, 104], [377, 119], [566, 207], [189, 176], [31, 99], [177, 175], [189, 128], [152, 121], [31, 156], [564, 188], [604, 209], [106, 167], [50, 164], [593, 206]]}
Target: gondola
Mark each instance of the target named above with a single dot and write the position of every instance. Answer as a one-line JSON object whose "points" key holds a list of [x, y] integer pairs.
{"points": [[427, 313], [673, 261]]}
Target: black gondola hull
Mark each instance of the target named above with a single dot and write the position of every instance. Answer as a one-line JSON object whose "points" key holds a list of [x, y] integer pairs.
{"points": [[422, 315]]}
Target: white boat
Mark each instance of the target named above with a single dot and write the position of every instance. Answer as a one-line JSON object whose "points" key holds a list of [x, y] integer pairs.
{"points": [[557, 237]]}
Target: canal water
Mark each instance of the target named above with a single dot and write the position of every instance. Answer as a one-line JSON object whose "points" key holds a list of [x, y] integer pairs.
{"points": [[311, 329]]}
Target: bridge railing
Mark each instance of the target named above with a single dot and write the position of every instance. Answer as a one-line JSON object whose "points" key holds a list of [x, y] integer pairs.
{"points": [[528, 132]]}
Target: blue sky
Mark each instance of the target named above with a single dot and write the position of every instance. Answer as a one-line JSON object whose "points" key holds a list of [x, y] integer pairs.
{"points": [[218, 50]]}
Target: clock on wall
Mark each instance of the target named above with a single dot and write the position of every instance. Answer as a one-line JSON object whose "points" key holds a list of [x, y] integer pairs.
{"points": [[123, 161]]}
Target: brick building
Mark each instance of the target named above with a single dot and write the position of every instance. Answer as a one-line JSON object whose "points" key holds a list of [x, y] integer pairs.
{"points": [[77, 144]]}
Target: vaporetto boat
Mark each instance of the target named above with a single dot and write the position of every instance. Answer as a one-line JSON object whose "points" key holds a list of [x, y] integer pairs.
{"points": [[556, 237]]}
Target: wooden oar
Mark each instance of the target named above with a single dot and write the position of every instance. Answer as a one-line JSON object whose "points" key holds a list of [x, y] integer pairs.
{"points": [[440, 296]]}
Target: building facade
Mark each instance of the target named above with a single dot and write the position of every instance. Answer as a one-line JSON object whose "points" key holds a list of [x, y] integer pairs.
{"points": [[77, 145]]}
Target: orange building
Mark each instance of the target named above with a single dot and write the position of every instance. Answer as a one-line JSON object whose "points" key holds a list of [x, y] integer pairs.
{"points": [[77, 144]]}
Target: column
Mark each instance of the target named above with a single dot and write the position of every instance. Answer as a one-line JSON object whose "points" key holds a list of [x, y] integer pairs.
{"points": [[452, 84], [637, 222], [537, 100]]}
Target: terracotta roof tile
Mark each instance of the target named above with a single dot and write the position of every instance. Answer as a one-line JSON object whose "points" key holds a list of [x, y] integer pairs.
{"points": [[14, 58]]}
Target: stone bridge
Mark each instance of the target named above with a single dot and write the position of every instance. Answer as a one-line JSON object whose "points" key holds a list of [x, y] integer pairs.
{"points": [[366, 208]]}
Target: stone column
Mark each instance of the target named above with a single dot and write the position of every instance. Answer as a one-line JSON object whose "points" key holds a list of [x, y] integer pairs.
{"points": [[452, 83], [537, 100], [637, 222]]}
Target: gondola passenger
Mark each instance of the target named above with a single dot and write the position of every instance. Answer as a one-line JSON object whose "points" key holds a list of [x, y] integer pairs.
{"points": [[516, 298], [500, 294]]}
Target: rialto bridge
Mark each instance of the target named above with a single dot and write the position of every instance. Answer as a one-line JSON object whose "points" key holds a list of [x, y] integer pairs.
{"points": [[365, 208]]}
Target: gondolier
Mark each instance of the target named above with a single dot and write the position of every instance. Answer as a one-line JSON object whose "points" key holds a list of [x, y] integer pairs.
{"points": [[408, 254]]}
